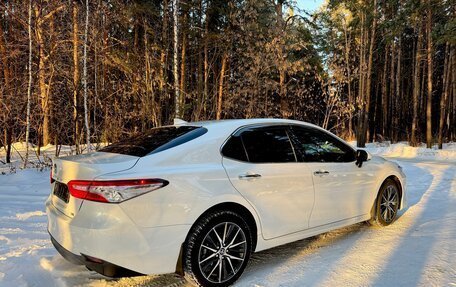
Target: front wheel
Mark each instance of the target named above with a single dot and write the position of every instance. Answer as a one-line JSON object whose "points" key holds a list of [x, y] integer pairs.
{"points": [[387, 204], [217, 249]]}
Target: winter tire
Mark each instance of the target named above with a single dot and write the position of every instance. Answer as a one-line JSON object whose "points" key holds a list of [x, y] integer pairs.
{"points": [[387, 204], [217, 249]]}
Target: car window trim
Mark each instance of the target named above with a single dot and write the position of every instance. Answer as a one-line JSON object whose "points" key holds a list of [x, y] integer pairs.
{"points": [[243, 148], [287, 130]]}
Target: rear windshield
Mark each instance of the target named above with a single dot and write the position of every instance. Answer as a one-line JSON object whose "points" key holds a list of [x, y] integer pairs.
{"points": [[155, 140]]}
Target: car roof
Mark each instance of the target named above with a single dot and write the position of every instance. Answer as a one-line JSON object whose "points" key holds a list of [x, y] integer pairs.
{"points": [[231, 125]]}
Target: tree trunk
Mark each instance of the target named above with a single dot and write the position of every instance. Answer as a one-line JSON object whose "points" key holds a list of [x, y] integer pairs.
{"points": [[51, 107], [76, 77], [199, 72], [429, 76], [178, 111], [29, 88], [44, 95], [369, 76], [350, 133], [398, 96], [206, 61], [453, 84], [365, 87], [416, 87], [361, 96], [104, 72], [221, 81], [164, 58], [392, 94], [183, 58], [445, 91], [385, 105], [7, 98], [9, 142], [280, 34], [86, 112], [146, 102], [151, 103]]}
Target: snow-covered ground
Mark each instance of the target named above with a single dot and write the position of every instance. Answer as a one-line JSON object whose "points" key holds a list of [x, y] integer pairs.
{"points": [[419, 249]]}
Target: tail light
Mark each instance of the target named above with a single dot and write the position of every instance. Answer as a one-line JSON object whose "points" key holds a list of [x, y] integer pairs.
{"points": [[113, 191]]}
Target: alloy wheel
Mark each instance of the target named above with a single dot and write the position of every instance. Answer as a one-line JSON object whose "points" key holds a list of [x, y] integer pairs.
{"points": [[389, 203], [222, 252]]}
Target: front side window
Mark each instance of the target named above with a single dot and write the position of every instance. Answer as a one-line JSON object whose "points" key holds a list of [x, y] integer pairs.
{"points": [[267, 145], [312, 145]]}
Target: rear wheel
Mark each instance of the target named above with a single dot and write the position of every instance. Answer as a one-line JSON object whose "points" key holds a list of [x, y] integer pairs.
{"points": [[217, 249], [387, 204]]}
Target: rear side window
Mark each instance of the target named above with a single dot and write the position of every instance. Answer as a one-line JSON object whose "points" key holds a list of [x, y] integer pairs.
{"points": [[234, 149], [155, 140], [267, 145]]}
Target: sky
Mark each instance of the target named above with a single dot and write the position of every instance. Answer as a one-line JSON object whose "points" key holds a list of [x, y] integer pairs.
{"points": [[309, 5]]}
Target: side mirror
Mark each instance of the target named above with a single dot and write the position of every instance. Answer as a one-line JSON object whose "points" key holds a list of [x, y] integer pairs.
{"points": [[361, 156]]}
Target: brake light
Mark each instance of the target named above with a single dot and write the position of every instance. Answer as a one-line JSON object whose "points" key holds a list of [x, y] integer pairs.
{"points": [[113, 191]]}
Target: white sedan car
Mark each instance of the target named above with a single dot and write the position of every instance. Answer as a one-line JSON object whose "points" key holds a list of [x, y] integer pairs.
{"points": [[198, 198]]}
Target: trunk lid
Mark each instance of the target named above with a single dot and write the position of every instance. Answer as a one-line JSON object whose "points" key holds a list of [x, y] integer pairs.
{"points": [[83, 167]]}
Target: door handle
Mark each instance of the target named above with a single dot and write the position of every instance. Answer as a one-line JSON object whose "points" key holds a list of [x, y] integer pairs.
{"points": [[321, 172], [249, 175]]}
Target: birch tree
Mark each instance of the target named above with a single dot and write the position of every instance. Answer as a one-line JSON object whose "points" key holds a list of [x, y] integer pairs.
{"points": [[178, 110], [86, 117]]}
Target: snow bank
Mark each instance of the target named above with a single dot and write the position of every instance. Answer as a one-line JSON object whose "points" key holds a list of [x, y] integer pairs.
{"points": [[41, 161], [404, 151]]}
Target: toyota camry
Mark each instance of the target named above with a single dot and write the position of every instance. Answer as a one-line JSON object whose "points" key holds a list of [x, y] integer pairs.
{"points": [[199, 198]]}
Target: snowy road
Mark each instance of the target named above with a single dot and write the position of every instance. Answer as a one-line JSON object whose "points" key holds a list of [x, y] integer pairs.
{"points": [[419, 249]]}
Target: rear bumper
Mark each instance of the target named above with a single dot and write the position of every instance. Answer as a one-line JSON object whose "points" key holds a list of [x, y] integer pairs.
{"points": [[103, 267], [106, 233]]}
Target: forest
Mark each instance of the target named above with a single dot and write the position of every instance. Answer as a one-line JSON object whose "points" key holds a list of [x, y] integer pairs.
{"points": [[75, 72]]}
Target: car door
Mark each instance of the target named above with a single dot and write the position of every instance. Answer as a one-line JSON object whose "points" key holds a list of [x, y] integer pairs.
{"points": [[342, 189], [261, 165]]}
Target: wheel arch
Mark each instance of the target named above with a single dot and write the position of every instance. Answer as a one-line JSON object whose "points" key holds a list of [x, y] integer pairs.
{"points": [[237, 208]]}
